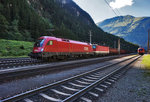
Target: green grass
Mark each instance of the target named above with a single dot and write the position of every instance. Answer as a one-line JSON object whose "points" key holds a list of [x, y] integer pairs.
{"points": [[146, 62], [13, 48]]}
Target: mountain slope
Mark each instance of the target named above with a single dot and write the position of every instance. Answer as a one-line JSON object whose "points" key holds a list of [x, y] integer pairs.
{"points": [[133, 29], [70, 21], [30, 19]]}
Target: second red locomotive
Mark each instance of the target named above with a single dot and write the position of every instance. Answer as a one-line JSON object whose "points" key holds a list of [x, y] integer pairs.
{"points": [[141, 51]]}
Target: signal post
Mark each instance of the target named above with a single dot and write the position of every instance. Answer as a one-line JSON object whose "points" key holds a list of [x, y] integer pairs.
{"points": [[148, 50], [119, 46]]}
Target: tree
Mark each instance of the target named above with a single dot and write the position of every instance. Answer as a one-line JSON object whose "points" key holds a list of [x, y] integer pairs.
{"points": [[14, 31], [3, 27]]}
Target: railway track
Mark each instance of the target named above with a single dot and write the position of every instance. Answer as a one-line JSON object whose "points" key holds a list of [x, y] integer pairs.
{"points": [[80, 88], [27, 71], [10, 59], [6, 63]]}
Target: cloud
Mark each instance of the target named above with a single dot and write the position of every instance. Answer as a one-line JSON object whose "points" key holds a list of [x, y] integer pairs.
{"points": [[120, 3]]}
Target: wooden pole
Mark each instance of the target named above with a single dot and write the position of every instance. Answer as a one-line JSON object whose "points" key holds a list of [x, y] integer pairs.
{"points": [[114, 44], [90, 37], [148, 42], [119, 46]]}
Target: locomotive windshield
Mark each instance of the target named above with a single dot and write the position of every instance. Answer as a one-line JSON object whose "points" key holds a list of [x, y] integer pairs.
{"points": [[39, 43], [140, 49]]}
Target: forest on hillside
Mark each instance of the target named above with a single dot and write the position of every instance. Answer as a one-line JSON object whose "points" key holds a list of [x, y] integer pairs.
{"points": [[19, 21]]}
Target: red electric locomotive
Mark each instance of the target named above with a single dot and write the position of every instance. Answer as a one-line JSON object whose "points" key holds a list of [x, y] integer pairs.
{"points": [[141, 51], [52, 47], [48, 47]]}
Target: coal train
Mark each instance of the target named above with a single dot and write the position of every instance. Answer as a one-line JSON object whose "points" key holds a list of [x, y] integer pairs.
{"points": [[48, 47], [141, 51]]}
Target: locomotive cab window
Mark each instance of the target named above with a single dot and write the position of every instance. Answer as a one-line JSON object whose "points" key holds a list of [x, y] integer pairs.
{"points": [[50, 43], [140, 49], [94, 46], [39, 43]]}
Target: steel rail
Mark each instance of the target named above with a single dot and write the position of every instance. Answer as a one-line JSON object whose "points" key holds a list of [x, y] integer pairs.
{"points": [[6, 63], [7, 59], [83, 91], [43, 88], [18, 62], [11, 73]]}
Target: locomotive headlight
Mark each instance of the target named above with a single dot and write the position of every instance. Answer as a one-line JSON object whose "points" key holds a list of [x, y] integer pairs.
{"points": [[42, 50]]}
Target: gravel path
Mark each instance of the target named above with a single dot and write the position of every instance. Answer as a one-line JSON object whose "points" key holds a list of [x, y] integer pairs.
{"points": [[134, 86]]}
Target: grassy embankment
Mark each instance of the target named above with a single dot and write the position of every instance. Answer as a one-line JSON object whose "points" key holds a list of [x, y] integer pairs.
{"points": [[13, 48], [146, 62]]}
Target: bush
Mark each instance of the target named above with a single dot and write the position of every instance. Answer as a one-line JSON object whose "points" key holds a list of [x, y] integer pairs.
{"points": [[15, 48]]}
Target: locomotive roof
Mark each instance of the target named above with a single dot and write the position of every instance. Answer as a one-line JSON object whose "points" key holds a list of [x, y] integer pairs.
{"points": [[62, 39], [99, 45], [140, 48]]}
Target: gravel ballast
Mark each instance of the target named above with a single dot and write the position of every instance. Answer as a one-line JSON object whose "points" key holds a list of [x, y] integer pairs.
{"points": [[21, 85], [134, 86]]}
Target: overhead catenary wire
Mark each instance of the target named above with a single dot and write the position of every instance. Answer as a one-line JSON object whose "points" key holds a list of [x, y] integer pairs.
{"points": [[119, 18], [114, 10], [111, 8]]}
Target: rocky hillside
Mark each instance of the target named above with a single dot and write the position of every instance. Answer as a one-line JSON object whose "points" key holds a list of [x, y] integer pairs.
{"points": [[133, 29], [30, 19]]}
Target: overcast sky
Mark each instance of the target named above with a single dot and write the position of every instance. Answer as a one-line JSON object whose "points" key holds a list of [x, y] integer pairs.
{"points": [[99, 10]]}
